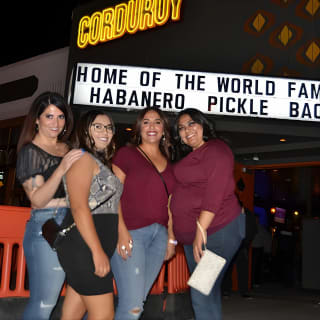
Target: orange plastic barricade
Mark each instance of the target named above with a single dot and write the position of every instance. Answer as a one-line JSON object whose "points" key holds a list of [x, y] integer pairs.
{"points": [[178, 272], [158, 286], [12, 262]]}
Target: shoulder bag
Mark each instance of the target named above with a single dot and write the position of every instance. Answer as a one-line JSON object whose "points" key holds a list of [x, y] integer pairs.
{"points": [[55, 233]]}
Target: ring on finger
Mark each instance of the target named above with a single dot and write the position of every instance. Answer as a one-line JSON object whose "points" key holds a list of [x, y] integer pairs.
{"points": [[123, 247]]}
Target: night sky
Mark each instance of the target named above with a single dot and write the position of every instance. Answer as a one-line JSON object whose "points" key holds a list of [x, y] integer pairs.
{"points": [[32, 28]]}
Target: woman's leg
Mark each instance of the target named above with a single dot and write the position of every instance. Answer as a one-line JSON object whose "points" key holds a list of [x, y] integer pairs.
{"points": [[100, 307], [155, 253], [73, 306], [46, 276], [225, 243], [135, 276]]}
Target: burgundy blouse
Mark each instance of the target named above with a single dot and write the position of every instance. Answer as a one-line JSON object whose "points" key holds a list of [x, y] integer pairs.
{"points": [[144, 199], [204, 182]]}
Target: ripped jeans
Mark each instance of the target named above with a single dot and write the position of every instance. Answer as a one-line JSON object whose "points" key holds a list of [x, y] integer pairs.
{"points": [[46, 276], [136, 275]]}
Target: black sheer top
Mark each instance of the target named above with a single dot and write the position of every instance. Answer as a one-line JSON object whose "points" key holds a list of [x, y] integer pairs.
{"points": [[32, 161]]}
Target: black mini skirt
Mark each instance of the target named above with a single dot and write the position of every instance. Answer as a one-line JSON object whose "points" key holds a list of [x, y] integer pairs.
{"points": [[76, 259]]}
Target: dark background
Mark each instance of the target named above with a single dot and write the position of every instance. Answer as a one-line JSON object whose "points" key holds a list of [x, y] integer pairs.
{"points": [[30, 28]]}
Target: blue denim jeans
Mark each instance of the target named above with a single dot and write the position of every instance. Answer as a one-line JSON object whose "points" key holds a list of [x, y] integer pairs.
{"points": [[46, 276], [136, 275], [225, 243]]}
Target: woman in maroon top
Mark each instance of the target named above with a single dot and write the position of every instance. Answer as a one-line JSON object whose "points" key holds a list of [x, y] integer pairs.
{"points": [[204, 192], [145, 233]]}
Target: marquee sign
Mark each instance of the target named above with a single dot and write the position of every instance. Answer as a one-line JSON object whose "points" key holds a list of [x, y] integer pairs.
{"points": [[130, 87]]}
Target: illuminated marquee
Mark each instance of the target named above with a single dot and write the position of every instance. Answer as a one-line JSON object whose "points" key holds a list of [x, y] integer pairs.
{"points": [[136, 15], [130, 87]]}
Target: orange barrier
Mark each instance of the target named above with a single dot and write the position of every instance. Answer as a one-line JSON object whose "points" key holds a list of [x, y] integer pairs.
{"points": [[178, 272], [13, 266], [12, 261]]}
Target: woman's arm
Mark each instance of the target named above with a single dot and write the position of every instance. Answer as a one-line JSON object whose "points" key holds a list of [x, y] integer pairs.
{"points": [[171, 247], [219, 174], [125, 243], [40, 192], [205, 219], [78, 180]]}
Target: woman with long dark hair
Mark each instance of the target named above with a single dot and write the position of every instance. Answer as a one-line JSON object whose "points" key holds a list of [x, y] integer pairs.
{"points": [[43, 158], [145, 230], [205, 194], [93, 192]]}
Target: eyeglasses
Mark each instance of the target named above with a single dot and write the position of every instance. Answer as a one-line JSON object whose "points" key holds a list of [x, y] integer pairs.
{"points": [[99, 127]]}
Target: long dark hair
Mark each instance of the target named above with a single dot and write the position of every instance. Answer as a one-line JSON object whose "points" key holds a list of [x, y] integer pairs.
{"points": [[85, 141], [209, 132], [165, 143], [38, 106]]}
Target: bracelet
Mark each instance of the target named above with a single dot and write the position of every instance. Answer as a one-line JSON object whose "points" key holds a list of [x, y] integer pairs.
{"points": [[172, 241]]}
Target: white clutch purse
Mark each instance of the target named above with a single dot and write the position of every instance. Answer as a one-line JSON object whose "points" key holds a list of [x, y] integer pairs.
{"points": [[207, 270]]}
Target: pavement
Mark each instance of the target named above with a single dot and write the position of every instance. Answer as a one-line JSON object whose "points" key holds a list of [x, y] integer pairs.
{"points": [[271, 301]]}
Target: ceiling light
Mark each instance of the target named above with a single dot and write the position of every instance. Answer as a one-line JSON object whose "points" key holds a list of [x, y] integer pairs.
{"points": [[255, 157], [128, 129], [283, 140]]}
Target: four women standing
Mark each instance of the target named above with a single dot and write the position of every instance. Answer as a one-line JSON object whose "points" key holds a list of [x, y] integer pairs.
{"points": [[139, 226]]}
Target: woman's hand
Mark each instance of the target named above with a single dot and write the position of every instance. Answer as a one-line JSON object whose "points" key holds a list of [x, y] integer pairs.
{"points": [[198, 244], [125, 243], [204, 221], [171, 251], [101, 263], [69, 158]]}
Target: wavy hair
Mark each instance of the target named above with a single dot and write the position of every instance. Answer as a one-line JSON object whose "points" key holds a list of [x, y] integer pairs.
{"points": [[165, 143]]}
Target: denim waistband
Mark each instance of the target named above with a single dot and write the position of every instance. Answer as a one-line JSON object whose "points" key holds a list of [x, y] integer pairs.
{"points": [[48, 211]]}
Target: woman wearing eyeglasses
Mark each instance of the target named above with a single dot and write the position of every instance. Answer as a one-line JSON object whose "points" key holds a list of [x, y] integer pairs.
{"points": [[93, 192]]}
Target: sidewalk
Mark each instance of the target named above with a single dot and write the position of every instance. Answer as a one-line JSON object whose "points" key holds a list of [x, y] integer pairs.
{"points": [[269, 302], [273, 302]]}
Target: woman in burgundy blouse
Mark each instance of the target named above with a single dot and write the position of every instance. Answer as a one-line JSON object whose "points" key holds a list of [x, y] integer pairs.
{"points": [[205, 192], [145, 234]]}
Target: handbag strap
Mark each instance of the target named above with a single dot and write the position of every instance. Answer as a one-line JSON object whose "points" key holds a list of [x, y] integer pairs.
{"points": [[164, 183], [203, 235]]}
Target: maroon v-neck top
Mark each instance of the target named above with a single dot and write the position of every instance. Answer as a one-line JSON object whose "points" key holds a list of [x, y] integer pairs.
{"points": [[205, 181], [144, 199]]}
